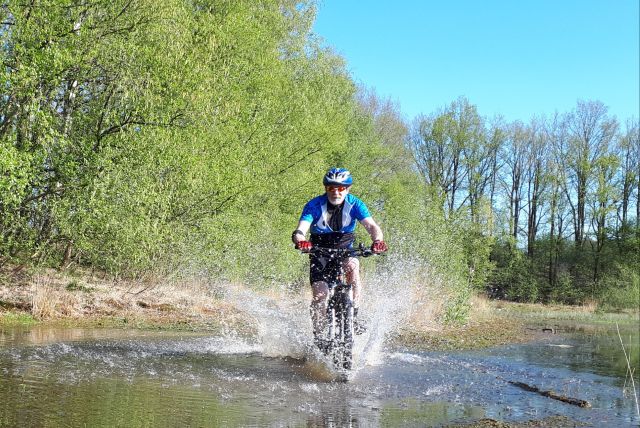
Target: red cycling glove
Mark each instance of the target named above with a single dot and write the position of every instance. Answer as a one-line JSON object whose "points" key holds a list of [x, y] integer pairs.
{"points": [[379, 246], [304, 246]]}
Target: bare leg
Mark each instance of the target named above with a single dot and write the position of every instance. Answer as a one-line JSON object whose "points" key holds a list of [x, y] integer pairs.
{"points": [[352, 270], [320, 291]]}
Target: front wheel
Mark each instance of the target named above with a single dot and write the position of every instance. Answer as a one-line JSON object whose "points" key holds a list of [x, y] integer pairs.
{"points": [[343, 355]]}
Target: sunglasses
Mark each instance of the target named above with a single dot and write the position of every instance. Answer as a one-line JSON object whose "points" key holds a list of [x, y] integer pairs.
{"points": [[334, 188]]}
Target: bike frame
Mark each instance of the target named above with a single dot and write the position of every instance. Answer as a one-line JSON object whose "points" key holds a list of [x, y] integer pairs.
{"points": [[340, 333]]}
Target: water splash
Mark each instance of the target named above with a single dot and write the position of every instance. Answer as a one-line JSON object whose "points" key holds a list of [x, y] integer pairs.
{"points": [[283, 323], [281, 319], [391, 298]]}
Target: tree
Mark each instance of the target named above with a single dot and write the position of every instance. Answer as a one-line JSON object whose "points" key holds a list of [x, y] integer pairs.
{"points": [[77, 77], [467, 137], [480, 158], [628, 146], [605, 169], [498, 134], [449, 149], [536, 180], [436, 156], [555, 135], [131, 127], [590, 132], [513, 157]]}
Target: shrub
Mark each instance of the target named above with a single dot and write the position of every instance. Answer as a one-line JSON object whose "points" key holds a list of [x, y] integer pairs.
{"points": [[620, 291]]}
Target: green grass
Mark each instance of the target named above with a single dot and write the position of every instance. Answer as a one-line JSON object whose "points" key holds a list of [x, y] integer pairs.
{"points": [[16, 318], [537, 312], [77, 286]]}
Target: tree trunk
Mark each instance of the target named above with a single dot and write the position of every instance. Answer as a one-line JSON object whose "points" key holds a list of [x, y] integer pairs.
{"points": [[454, 183], [66, 258], [552, 243], [580, 214], [532, 223], [638, 204], [515, 206]]}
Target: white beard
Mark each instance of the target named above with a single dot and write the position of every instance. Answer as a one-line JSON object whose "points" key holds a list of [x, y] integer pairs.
{"points": [[336, 200]]}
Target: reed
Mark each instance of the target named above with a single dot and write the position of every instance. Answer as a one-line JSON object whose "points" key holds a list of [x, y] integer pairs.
{"points": [[629, 370], [44, 299]]}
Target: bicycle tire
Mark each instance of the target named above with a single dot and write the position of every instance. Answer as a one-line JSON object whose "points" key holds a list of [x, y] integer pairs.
{"points": [[337, 339], [340, 315], [347, 334]]}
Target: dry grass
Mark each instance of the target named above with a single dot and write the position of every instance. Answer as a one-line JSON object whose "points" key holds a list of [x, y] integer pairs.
{"points": [[197, 304], [427, 310], [630, 371], [53, 296], [487, 326], [536, 312], [482, 308], [44, 299], [50, 301]]}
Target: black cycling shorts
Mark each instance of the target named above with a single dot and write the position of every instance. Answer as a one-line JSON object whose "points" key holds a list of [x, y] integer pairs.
{"points": [[323, 267]]}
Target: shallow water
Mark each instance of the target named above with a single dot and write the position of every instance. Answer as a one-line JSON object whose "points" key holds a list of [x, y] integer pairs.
{"points": [[75, 377]]}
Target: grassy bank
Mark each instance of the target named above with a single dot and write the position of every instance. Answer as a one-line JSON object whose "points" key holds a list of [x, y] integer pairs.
{"points": [[495, 322], [86, 300]]}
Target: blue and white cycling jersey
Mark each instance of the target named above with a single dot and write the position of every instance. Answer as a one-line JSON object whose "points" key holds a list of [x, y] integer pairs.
{"points": [[315, 212]]}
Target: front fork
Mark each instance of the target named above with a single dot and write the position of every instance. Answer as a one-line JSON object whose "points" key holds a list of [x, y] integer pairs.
{"points": [[331, 334], [340, 306]]}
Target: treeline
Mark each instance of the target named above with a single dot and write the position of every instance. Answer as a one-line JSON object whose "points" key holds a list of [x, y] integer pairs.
{"points": [[554, 201], [175, 137]]}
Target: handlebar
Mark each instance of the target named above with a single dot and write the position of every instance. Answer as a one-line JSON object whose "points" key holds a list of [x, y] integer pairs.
{"points": [[361, 251]]}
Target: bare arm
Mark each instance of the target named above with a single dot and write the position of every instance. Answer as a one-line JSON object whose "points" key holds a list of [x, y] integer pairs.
{"points": [[372, 227], [303, 226]]}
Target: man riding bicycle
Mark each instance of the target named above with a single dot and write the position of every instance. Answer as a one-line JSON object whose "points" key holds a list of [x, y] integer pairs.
{"points": [[332, 220]]}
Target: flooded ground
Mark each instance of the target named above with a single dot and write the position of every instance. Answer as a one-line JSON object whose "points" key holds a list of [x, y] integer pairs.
{"points": [[73, 377]]}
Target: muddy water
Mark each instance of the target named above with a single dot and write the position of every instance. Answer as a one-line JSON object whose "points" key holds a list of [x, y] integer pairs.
{"points": [[71, 377]]}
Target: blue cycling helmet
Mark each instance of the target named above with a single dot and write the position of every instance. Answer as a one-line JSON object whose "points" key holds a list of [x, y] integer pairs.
{"points": [[337, 177]]}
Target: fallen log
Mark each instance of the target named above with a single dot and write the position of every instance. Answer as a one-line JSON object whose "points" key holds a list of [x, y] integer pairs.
{"points": [[551, 394]]}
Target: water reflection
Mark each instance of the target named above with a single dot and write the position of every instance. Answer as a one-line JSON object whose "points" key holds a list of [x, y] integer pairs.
{"points": [[121, 378], [582, 348], [39, 335]]}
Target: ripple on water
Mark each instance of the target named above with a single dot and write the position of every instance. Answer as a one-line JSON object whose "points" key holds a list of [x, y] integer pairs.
{"points": [[231, 381]]}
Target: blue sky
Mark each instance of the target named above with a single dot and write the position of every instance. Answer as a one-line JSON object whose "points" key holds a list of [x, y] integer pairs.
{"points": [[517, 58]]}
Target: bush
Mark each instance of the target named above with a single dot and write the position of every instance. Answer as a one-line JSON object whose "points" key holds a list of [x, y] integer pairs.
{"points": [[565, 291], [514, 276], [416, 229], [620, 291]]}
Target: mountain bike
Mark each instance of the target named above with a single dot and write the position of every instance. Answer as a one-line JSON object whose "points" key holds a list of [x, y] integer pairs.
{"points": [[337, 340]]}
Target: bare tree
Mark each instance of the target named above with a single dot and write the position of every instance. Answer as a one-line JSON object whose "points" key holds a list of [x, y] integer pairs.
{"points": [[434, 154], [437, 144], [537, 159], [590, 132], [480, 159], [628, 146], [388, 122], [605, 170], [513, 158], [497, 136], [556, 135]]}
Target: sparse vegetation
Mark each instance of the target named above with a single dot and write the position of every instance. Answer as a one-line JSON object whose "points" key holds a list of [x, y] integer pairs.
{"points": [[48, 298], [199, 306]]}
